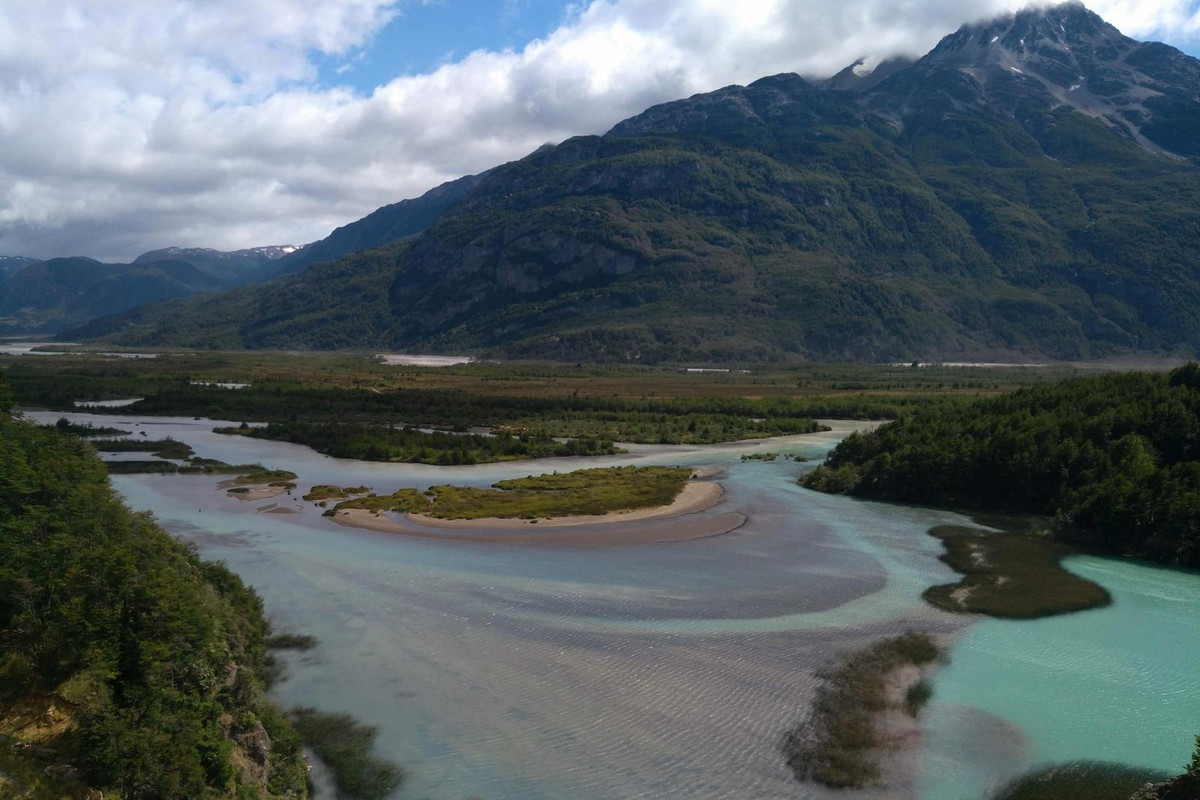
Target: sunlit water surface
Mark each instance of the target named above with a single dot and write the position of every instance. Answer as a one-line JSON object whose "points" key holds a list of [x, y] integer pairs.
{"points": [[671, 671]]}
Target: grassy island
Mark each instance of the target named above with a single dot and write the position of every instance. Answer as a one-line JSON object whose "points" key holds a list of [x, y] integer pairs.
{"points": [[836, 747], [1010, 574], [323, 492], [161, 448], [581, 493]]}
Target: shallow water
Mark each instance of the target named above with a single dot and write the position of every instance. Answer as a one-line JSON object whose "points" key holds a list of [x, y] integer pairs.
{"points": [[664, 671]]}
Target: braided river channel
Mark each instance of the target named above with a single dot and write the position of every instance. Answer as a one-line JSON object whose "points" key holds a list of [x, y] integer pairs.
{"points": [[522, 672]]}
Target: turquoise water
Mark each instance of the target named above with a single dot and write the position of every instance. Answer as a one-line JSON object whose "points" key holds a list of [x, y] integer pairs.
{"points": [[1116, 684], [672, 671]]}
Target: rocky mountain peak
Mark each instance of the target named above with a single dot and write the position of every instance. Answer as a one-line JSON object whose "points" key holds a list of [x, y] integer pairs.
{"points": [[1052, 56]]}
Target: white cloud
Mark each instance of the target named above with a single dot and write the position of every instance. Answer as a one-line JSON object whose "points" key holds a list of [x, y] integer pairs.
{"points": [[133, 124]]}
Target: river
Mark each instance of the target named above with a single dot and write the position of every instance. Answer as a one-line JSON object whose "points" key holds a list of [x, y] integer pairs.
{"points": [[671, 671]]}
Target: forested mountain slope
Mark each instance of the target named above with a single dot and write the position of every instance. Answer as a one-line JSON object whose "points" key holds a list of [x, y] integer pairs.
{"points": [[1029, 188]]}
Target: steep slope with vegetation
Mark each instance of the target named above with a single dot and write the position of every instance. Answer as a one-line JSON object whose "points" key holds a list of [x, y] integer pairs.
{"points": [[993, 198], [382, 226], [127, 664], [1114, 459]]}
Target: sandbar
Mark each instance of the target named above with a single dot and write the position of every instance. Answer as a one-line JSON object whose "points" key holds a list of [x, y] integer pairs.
{"points": [[256, 492], [671, 530], [595, 530]]}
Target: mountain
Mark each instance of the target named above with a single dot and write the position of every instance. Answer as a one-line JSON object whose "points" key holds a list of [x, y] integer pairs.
{"points": [[10, 264], [236, 266], [382, 226], [52, 295], [1027, 189]]}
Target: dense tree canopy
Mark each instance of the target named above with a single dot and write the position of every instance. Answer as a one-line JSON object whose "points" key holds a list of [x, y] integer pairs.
{"points": [[1114, 459], [155, 655]]}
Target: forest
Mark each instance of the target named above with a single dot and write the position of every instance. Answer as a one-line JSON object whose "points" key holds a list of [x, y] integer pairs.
{"points": [[1114, 460], [149, 661]]}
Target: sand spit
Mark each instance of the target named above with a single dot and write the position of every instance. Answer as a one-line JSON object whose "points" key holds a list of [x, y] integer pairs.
{"points": [[668, 531]]}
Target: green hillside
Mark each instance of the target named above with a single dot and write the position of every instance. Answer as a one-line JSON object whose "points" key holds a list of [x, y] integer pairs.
{"points": [[956, 208]]}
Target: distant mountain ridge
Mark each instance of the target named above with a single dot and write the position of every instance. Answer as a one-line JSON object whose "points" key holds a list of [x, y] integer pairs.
{"points": [[54, 294], [1028, 188], [235, 266]]}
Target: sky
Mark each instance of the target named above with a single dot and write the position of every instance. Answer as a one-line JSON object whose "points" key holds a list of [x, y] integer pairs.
{"points": [[130, 125]]}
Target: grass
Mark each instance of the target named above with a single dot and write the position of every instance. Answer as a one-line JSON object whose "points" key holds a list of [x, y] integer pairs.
{"points": [[1011, 575], [835, 747], [345, 746], [1081, 780], [323, 492], [582, 492]]}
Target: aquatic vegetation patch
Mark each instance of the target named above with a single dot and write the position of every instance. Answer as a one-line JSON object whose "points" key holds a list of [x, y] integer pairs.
{"points": [[274, 477], [1012, 575], [1080, 780], [836, 746], [322, 492], [291, 641], [345, 745], [581, 493]]}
